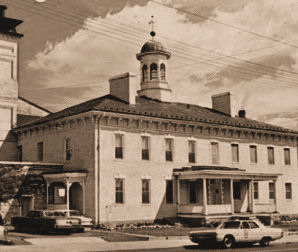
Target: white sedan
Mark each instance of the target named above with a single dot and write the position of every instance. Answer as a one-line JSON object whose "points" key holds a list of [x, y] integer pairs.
{"points": [[233, 231]]}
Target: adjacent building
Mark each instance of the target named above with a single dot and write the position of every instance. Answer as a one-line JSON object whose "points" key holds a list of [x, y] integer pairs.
{"points": [[135, 155]]}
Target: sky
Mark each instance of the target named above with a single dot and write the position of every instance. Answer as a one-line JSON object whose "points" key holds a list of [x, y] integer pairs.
{"points": [[71, 48]]}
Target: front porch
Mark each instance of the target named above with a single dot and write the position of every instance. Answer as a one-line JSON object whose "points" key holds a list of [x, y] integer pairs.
{"points": [[207, 192]]}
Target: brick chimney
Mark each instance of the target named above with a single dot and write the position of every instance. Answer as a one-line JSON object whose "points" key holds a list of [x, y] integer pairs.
{"points": [[222, 102], [2, 10], [123, 86]]}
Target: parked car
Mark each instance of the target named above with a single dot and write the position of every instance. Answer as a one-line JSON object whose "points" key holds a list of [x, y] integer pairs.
{"points": [[84, 220], [237, 231], [45, 221]]}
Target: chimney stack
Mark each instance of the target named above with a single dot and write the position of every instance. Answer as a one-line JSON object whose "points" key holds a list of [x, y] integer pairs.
{"points": [[123, 86], [222, 102], [2, 10]]}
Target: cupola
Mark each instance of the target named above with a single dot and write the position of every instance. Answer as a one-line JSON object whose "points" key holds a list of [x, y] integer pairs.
{"points": [[153, 67]]}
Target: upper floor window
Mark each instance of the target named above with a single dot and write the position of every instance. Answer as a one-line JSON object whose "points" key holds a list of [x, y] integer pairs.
{"points": [[235, 153], [145, 73], [163, 71], [20, 153], [40, 151], [67, 149], [145, 147], [191, 151], [118, 146], [253, 154], [169, 192], [153, 72], [256, 190], [169, 150], [287, 156], [119, 191], [288, 190], [271, 190], [214, 153], [145, 191], [270, 155]]}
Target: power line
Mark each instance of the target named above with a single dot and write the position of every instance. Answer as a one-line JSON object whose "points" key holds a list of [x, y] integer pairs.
{"points": [[225, 24]]}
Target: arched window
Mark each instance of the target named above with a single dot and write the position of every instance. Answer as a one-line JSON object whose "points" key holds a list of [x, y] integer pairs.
{"points": [[153, 72], [163, 71], [145, 73]]}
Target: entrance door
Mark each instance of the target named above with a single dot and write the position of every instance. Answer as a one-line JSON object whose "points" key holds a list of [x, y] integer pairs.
{"points": [[27, 205], [237, 196], [76, 197]]}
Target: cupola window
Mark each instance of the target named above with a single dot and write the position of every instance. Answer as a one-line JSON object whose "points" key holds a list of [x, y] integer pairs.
{"points": [[163, 72], [153, 72], [145, 73]]}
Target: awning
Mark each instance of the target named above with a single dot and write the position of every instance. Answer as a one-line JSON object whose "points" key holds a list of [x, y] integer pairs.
{"points": [[218, 172]]}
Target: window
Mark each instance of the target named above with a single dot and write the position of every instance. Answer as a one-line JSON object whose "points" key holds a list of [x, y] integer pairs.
{"points": [[169, 149], [287, 156], [163, 71], [271, 190], [145, 191], [67, 149], [253, 154], [192, 192], [244, 225], [40, 151], [252, 224], [119, 146], [231, 225], [256, 190], [270, 155], [169, 192], [145, 148], [153, 72], [145, 73], [191, 151], [288, 190], [119, 192], [214, 153], [235, 153], [20, 153], [57, 193]]}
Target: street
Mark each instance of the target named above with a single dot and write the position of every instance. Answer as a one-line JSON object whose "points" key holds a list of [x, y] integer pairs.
{"points": [[256, 248]]}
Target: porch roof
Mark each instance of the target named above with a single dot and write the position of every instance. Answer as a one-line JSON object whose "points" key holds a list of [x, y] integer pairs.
{"points": [[222, 172]]}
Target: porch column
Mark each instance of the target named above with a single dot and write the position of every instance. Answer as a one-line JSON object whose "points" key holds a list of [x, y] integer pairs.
{"points": [[178, 191], [232, 196], [47, 194], [251, 187], [83, 196], [275, 200], [67, 196], [205, 210]]}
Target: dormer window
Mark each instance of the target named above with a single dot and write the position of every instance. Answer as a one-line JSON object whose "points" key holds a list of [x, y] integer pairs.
{"points": [[153, 72], [145, 73], [163, 72]]}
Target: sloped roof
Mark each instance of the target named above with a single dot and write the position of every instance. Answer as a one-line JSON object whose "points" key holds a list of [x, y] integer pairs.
{"points": [[153, 108]]}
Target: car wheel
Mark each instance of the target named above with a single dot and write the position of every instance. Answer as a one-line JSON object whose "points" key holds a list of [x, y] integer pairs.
{"points": [[228, 241], [265, 242]]}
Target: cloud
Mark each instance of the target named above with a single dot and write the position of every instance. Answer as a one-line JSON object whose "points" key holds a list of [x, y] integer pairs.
{"points": [[197, 69]]}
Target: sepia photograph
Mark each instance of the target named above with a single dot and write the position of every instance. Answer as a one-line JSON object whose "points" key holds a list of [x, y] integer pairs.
{"points": [[148, 125]]}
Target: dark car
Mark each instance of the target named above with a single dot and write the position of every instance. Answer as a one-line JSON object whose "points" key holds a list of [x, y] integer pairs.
{"points": [[44, 221]]}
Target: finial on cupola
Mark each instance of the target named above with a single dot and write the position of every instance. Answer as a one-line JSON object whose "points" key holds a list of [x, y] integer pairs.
{"points": [[152, 33]]}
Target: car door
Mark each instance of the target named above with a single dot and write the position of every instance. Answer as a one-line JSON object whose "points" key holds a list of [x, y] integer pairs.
{"points": [[245, 232], [255, 231]]}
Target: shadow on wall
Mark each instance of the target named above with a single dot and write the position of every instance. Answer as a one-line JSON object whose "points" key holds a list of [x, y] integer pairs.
{"points": [[8, 147]]}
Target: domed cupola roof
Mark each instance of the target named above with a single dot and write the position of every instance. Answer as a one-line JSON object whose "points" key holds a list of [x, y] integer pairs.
{"points": [[153, 47]]}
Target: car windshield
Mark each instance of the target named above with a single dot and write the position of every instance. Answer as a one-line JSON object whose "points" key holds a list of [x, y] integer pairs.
{"points": [[75, 213], [231, 225]]}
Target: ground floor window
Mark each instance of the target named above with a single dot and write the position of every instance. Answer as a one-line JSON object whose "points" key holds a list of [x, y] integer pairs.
{"points": [[256, 190], [271, 190], [119, 191], [192, 192], [145, 191], [237, 190], [169, 192], [288, 190]]}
